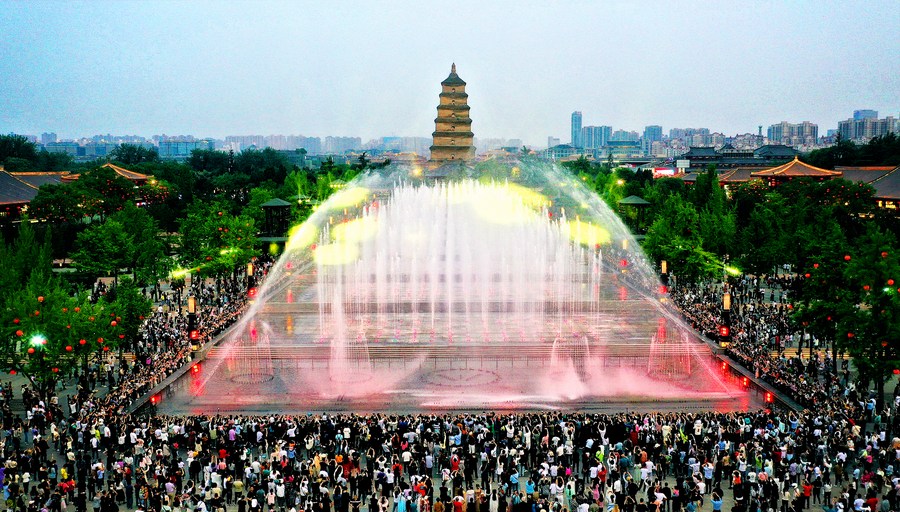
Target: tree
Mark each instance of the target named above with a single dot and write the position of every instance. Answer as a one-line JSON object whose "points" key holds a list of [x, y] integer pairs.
{"points": [[45, 331], [673, 237], [214, 242], [104, 249], [132, 154], [16, 146], [131, 308], [102, 192], [148, 261], [871, 327], [258, 196]]}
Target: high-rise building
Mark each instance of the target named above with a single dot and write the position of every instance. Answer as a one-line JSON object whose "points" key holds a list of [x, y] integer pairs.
{"points": [[48, 138], [552, 141], [624, 135], [339, 145], [595, 137], [791, 134], [652, 134], [865, 114], [576, 129], [453, 137], [179, 148], [867, 128]]}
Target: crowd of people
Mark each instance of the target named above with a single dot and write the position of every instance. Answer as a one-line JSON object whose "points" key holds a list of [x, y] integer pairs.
{"points": [[836, 455], [760, 330]]}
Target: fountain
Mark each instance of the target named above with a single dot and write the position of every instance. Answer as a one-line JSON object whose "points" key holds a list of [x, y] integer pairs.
{"points": [[510, 286]]}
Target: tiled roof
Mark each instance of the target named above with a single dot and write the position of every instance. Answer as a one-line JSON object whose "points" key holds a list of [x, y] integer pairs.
{"points": [[858, 175], [795, 169], [775, 150], [697, 151], [888, 185], [39, 179], [14, 190], [453, 78], [737, 175], [125, 173]]}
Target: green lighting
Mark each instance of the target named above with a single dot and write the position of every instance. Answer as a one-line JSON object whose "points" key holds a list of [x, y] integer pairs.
{"points": [[733, 271], [38, 339]]}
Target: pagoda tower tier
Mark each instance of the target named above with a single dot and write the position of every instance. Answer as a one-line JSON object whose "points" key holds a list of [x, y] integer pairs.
{"points": [[453, 137]]}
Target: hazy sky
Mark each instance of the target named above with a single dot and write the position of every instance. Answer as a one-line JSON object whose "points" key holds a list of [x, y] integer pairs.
{"points": [[373, 68]]}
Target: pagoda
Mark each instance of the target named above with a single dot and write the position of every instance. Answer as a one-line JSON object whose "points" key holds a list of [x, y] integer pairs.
{"points": [[453, 127]]}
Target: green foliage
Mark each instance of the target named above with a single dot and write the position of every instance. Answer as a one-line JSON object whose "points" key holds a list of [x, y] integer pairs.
{"points": [[851, 295], [38, 312], [258, 196], [131, 308], [884, 150], [674, 237], [132, 154], [104, 249], [16, 146], [213, 241]]}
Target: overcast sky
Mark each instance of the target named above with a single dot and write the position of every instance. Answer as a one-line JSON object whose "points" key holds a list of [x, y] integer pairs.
{"points": [[373, 69]]}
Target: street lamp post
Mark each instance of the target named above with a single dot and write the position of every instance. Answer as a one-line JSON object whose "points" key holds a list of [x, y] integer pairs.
{"points": [[251, 290], [193, 332]]}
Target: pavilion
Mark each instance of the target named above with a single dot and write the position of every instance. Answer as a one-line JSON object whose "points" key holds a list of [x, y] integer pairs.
{"points": [[794, 169]]}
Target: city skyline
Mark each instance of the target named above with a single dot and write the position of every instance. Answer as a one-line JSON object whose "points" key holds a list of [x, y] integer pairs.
{"points": [[151, 68]]}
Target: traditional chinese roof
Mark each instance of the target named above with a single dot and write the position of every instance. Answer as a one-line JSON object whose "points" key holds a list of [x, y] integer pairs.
{"points": [[15, 191], [864, 174], [128, 175], [695, 152], [796, 169], [634, 201], [775, 151], [38, 179], [887, 186], [737, 175], [453, 78], [274, 203]]}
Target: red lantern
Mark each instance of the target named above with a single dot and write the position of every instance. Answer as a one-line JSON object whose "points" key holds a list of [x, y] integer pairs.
{"points": [[113, 323], [884, 255], [890, 282], [883, 343], [37, 313], [91, 318], [82, 342], [121, 336], [106, 348], [847, 257], [850, 335], [65, 310], [31, 350], [896, 371], [807, 275], [99, 340], [866, 287], [16, 321], [13, 372], [69, 348], [77, 309], [55, 370], [20, 333], [41, 299], [815, 265]]}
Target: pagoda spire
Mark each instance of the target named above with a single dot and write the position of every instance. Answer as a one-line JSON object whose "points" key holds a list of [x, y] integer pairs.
{"points": [[453, 68]]}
